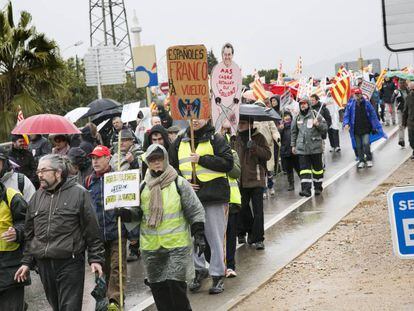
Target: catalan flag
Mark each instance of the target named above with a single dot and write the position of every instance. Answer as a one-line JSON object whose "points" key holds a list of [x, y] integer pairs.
{"points": [[380, 79], [258, 90], [341, 90]]}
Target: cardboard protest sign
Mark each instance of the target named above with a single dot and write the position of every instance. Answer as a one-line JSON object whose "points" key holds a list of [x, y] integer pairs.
{"points": [[368, 88], [145, 65], [188, 82], [130, 112], [121, 189], [226, 85]]}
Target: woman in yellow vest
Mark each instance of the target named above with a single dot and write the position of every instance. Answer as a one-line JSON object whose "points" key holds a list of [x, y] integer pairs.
{"points": [[172, 213], [12, 215]]}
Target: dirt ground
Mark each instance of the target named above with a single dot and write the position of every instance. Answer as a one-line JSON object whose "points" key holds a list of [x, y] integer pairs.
{"points": [[350, 268]]}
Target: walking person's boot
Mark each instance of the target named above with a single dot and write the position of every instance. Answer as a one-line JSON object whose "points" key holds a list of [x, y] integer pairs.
{"points": [[195, 284], [291, 182], [217, 286]]}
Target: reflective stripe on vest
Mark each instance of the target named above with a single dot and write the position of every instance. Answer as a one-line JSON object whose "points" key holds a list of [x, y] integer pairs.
{"points": [[203, 174], [173, 230], [6, 221], [235, 196]]}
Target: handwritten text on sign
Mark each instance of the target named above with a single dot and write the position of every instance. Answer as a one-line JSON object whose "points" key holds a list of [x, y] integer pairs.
{"points": [[121, 189], [188, 82]]}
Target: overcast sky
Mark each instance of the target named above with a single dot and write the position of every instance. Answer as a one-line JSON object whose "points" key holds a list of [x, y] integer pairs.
{"points": [[263, 32]]}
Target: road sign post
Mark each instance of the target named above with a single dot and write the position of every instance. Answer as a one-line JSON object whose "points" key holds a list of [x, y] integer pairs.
{"points": [[401, 214]]}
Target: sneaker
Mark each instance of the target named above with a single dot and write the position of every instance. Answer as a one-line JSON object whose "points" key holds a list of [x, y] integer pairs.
{"points": [[402, 143], [113, 306], [260, 246], [318, 191], [272, 192], [265, 195], [361, 165], [217, 286], [369, 164], [304, 193], [242, 240], [133, 256], [337, 149], [291, 187], [195, 284], [230, 273]]}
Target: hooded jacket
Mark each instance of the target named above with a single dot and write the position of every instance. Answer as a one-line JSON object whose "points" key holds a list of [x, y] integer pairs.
{"points": [[61, 225], [10, 260], [306, 137], [39, 147], [26, 162], [217, 190]]}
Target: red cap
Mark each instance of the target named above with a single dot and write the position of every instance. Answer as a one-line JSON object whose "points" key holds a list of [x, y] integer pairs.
{"points": [[100, 151], [357, 91]]}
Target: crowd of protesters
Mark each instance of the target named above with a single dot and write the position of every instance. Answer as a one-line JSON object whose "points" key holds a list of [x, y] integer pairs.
{"points": [[51, 194]]}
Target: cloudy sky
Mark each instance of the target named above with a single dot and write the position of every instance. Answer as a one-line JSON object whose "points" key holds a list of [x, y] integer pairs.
{"points": [[263, 32]]}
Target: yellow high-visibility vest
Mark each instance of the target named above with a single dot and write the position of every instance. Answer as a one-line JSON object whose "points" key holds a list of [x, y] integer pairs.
{"points": [[6, 221], [202, 173], [173, 230]]}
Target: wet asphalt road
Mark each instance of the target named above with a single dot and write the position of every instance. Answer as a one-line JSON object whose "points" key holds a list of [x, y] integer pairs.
{"points": [[284, 241]]}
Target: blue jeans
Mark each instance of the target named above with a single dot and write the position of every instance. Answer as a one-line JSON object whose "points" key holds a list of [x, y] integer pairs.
{"points": [[363, 147]]}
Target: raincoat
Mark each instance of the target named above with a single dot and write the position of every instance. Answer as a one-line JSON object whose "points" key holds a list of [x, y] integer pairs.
{"points": [[349, 119], [173, 263]]}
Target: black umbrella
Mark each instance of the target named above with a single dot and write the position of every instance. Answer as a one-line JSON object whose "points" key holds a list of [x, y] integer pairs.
{"points": [[258, 113], [107, 114], [99, 105]]}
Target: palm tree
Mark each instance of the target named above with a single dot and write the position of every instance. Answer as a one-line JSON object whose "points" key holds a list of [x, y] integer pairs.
{"points": [[28, 63]]}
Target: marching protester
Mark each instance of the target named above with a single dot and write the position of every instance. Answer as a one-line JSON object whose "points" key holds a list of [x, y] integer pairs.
{"points": [[166, 120], [61, 144], [289, 160], [60, 225], [24, 159], [361, 120], [173, 133], [81, 166], [306, 141], [129, 153], [117, 126], [388, 88], [253, 151], [107, 220], [14, 180], [39, 146], [12, 214], [333, 129], [171, 213], [408, 116], [399, 97], [213, 160]]}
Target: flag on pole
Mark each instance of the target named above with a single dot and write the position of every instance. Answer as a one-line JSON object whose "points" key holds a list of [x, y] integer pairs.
{"points": [[259, 91], [280, 75], [380, 79], [298, 69], [341, 90], [285, 99], [20, 117]]}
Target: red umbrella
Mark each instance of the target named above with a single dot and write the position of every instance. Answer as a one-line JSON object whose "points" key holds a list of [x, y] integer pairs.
{"points": [[45, 124]]}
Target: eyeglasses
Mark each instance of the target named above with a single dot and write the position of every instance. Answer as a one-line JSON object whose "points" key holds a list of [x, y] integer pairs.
{"points": [[44, 170]]}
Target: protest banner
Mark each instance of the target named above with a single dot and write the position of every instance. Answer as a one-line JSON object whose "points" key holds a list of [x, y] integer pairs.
{"points": [[188, 82], [145, 66], [368, 88], [226, 86], [121, 189]]}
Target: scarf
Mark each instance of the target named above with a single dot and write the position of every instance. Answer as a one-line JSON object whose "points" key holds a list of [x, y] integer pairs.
{"points": [[155, 185]]}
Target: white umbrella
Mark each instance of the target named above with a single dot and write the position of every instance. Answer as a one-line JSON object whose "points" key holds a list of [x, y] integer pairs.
{"points": [[101, 125], [77, 113]]}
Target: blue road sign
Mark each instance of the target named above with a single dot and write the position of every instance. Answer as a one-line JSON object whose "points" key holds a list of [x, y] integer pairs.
{"points": [[401, 212]]}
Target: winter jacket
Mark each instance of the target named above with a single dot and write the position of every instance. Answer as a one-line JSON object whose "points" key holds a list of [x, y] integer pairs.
{"points": [[306, 137], [252, 160], [10, 261], [285, 135], [125, 165], [10, 179], [324, 113], [217, 190], [349, 119], [106, 219], [62, 224], [408, 115], [26, 162], [39, 147], [269, 130], [387, 90]]}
